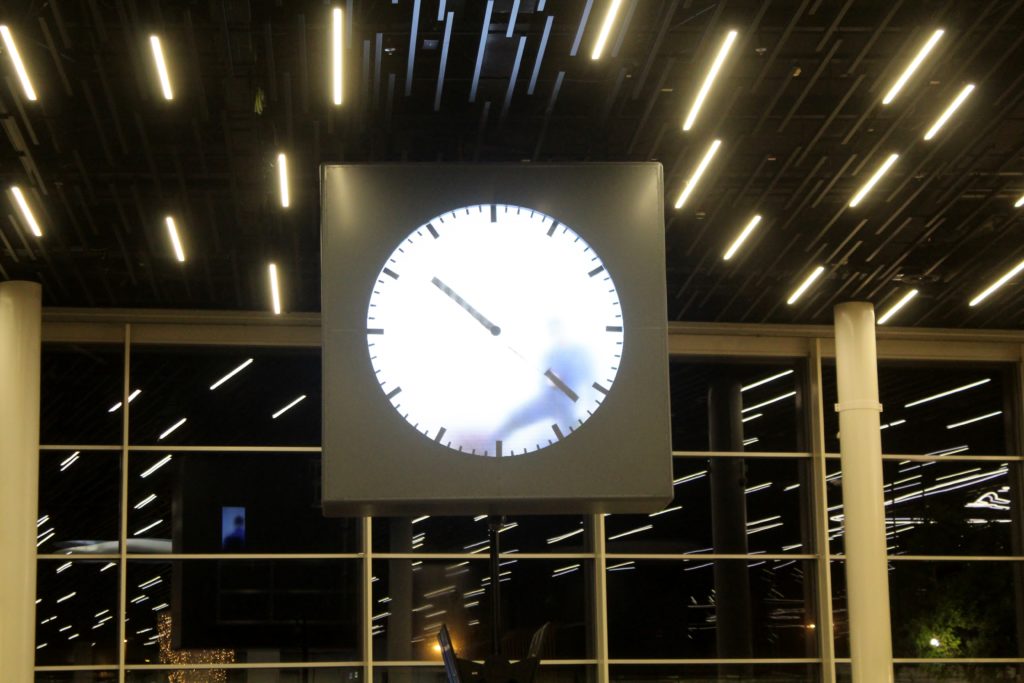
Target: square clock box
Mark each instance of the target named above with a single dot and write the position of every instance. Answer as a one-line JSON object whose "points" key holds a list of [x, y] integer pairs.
{"points": [[494, 339]]}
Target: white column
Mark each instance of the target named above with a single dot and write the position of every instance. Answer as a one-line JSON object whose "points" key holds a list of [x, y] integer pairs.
{"points": [[867, 574], [20, 342]]}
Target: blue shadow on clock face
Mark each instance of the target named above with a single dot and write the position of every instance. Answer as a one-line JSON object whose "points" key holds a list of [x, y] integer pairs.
{"points": [[495, 330], [494, 339]]}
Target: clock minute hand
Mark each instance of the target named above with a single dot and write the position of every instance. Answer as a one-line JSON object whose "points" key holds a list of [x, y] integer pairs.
{"points": [[491, 327]]}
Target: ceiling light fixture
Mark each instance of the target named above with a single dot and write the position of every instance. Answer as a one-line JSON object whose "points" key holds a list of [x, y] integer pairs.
{"points": [[1019, 203], [998, 283], [770, 401], [701, 167], [275, 290], [161, 67], [287, 407], [759, 382], [742, 237], [282, 177], [131, 397], [897, 306], [944, 394], [19, 67], [974, 419], [912, 67], [606, 28], [231, 374], [172, 230], [26, 212], [886, 165], [709, 80], [953, 106], [336, 25], [815, 274], [172, 428]]}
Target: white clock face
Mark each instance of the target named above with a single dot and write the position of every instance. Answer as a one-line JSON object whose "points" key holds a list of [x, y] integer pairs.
{"points": [[495, 330]]}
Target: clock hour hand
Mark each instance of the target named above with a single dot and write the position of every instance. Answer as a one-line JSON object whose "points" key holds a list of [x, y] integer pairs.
{"points": [[491, 327]]}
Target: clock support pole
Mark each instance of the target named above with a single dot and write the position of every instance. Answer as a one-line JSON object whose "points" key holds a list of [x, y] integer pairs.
{"points": [[494, 525]]}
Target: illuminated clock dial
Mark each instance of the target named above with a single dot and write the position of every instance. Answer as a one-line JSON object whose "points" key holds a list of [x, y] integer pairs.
{"points": [[495, 330]]}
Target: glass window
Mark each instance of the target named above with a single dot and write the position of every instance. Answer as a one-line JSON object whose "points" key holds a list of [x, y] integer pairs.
{"points": [[79, 499], [940, 508], [243, 610], [229, 502], [738, 673], [765, 395], [932, 409], [348, 674], [756, 504], [949, 609], [413, 598], [522, 533], [78, 676], [762, 608], [76, 612], [546, 673], [190, 396], [81, 390]]}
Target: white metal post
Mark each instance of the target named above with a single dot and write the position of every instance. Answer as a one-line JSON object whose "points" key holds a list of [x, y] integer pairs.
{"points": [[20, 346], [867, 574]]}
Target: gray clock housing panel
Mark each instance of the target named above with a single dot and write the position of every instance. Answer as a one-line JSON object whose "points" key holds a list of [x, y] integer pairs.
{"points": [[374, 462]]}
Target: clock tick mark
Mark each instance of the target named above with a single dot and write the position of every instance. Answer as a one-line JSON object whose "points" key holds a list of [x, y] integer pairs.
{"points": [[551, 230], [440, 433], [390, 273], [595, 271], [374, 330], [557, 431], [494, 213], [432, 230], [600, 388], [394, 392], [497, 448], [613, 328]]}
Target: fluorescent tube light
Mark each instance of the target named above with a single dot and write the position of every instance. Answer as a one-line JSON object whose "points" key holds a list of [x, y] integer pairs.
{"points": [[145, 501], [912, 67], [173, 427], [705, 87], [742, 237], [275, 290], [147, 527], [692, 182], [26, 212], [769, 402], [886, 165], [19, 66], [944, 394], [172, 230], [897, 306], [998, 283], [287, 407], [1019, 203], [974, 419], [606, 28], [336, 26], [815, 274], [231, 374], [161, 68], [282, 177], [953, 106], [131, 397], [759, 382]]}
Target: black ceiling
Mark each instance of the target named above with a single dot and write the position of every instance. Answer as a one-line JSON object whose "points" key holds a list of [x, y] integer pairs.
{"points": [[798, 108]]}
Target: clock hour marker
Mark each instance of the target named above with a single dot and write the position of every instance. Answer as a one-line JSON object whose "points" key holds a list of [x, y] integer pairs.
{"points": [[595, 271], [391, 273], [600, 388], [613, 328], [494, 213], [497, 448], [551, 230], [394, 392], [432, 230], [557, 381], [374, 330], [440, 433], [557, 431]]}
